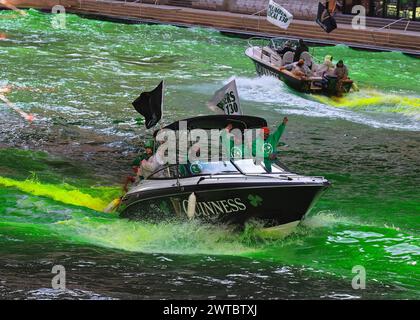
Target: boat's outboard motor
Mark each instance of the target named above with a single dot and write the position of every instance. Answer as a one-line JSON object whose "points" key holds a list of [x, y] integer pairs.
{"points": [[330, 83]]}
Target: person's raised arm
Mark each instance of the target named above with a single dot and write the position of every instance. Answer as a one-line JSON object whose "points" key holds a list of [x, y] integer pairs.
{"points": [[279, 132]]}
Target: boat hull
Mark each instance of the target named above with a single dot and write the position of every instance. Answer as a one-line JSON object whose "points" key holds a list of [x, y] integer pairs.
{"points": [[274, 205]]}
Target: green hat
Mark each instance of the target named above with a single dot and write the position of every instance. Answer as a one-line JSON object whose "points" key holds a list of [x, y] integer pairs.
{"points": [[149, 144]]}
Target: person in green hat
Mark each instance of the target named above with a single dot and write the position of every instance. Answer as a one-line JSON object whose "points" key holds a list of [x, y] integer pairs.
{"points": [[146, 154], [137, 162], [270, 143]]}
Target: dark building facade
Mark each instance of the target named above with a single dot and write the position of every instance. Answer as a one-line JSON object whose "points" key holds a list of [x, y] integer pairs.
{"points": [[394, 9]]}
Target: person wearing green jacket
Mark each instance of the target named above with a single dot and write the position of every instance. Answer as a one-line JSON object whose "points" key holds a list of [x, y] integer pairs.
{"points": [[146, 154], [136, 165], [271, 141]]}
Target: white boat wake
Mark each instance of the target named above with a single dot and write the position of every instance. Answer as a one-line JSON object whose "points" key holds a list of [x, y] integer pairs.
{"points": [[276, 95]]}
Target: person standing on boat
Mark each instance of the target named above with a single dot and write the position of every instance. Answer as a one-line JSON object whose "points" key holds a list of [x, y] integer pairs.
{"points": [[285, 48], [302, 47], [155, 162], [137, 165], [147, 153], [271, 141]]}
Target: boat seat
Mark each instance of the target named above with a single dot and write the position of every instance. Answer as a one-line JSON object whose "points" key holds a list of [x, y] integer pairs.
{"points": [[307, 58], [288, 57]]}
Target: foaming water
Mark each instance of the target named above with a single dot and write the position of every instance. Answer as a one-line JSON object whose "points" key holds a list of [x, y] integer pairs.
{"points": [[194, 237], [369, 107], [171, 238]]}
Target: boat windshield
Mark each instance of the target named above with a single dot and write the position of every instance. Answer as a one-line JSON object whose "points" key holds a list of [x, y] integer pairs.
{"points": [[194, 169], [279, 43], [199, 168], [168, 172]]}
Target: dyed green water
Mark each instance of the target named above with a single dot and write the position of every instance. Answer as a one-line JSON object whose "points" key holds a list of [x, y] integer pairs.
{"points": [[367, 144]]}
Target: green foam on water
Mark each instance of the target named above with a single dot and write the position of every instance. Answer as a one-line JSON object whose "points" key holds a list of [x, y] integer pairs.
{"points": [[62, 193], [375, 100]]}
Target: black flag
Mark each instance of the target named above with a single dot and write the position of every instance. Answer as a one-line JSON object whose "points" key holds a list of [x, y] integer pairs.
{"points": [[150, 105], [325, 20]]}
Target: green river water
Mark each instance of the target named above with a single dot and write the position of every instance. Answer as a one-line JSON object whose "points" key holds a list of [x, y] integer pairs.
{"points": [[59, 172]]}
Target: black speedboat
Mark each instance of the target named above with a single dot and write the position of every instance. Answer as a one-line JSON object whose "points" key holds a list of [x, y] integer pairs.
{"points": [[269, 62], [227, 192]]}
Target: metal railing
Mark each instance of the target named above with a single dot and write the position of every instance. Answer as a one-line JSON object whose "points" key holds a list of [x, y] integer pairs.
{"points": [[388, 27]]}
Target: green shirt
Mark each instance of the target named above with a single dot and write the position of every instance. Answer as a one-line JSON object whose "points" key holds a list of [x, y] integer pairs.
{"points": [[142, 156], [271, 143]]}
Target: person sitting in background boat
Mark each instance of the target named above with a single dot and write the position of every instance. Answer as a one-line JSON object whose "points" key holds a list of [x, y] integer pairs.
{"points": [[300, 70], [341, 71], [288, 67], [342, 74], [302, 47], [285, 48], [326, 68]]}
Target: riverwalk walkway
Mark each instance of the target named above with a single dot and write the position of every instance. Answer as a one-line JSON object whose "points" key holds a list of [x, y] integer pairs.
{"points": [[239, 23]]}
